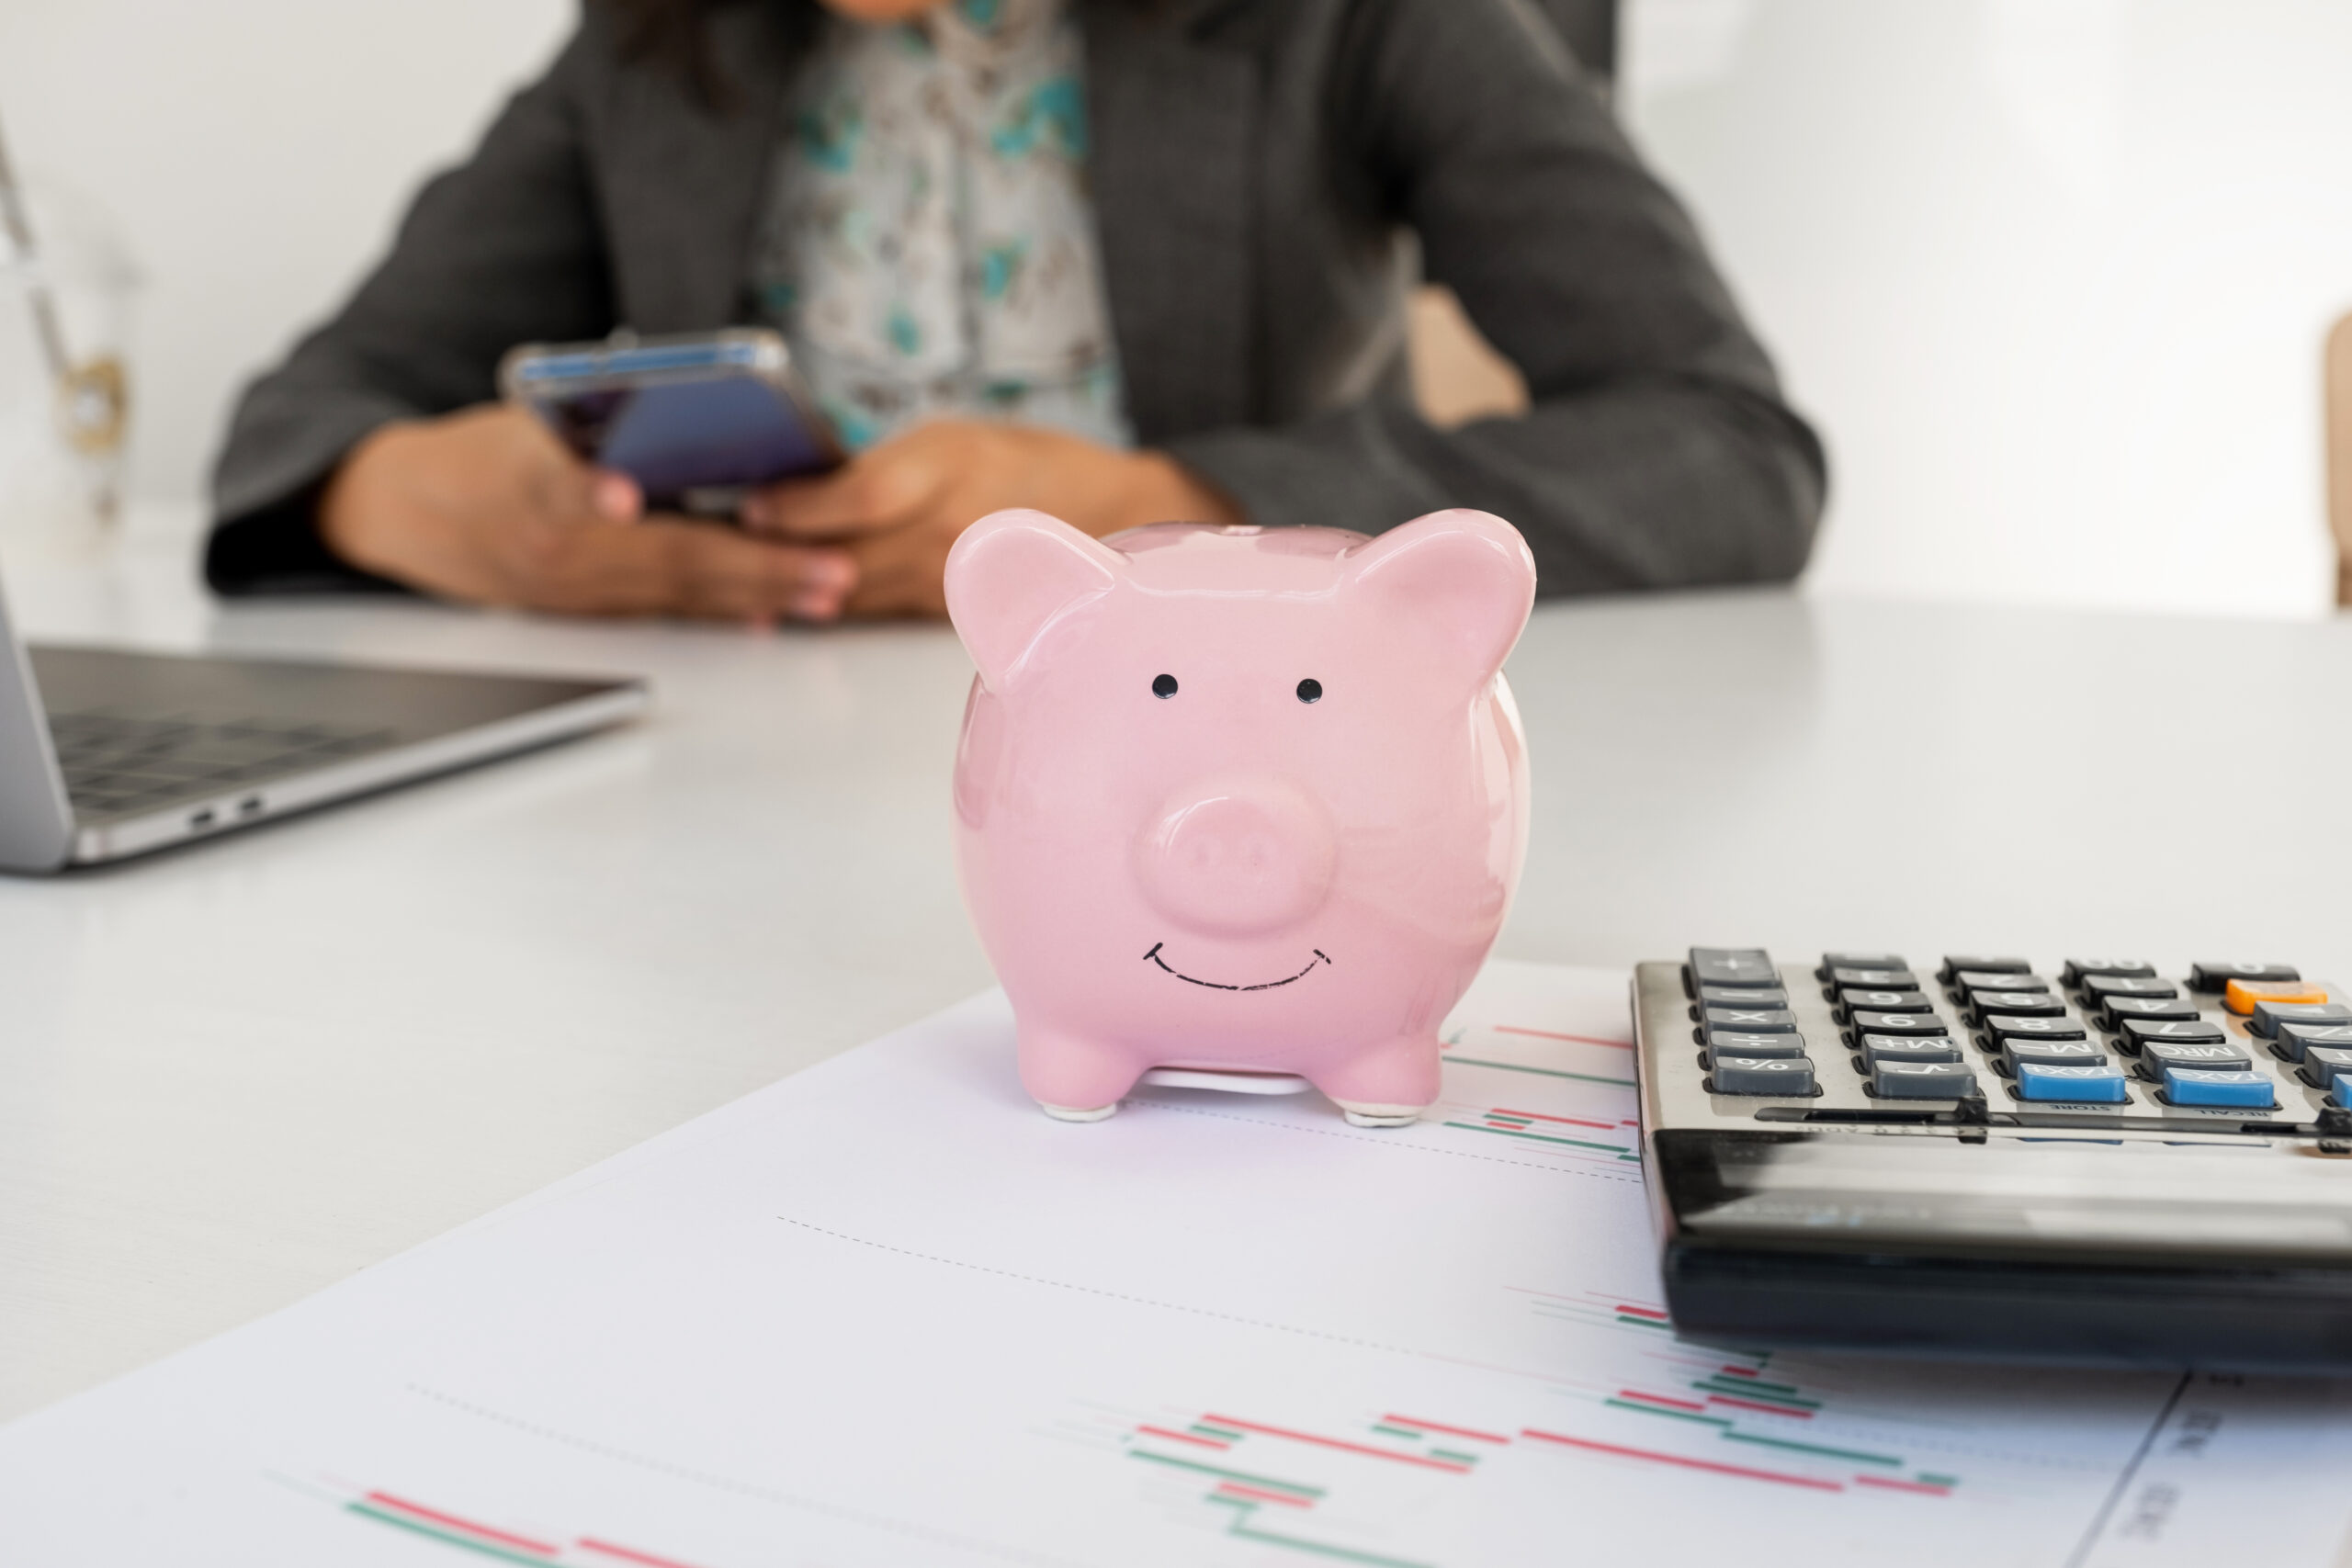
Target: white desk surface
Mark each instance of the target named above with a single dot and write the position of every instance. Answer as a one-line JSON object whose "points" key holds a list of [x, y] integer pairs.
{"points": [[234, 1073]]}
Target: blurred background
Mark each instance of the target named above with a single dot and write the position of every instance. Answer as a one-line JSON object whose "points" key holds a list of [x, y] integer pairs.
{"points": [[2053, 275]]}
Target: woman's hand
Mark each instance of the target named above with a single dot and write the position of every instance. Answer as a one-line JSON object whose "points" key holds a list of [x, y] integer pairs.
{"points": [[486, 505], [897, 510]]}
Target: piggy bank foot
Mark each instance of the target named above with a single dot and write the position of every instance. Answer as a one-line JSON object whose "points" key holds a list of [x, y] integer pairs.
{"points": [[1359, 1114], [1077, 1112]]}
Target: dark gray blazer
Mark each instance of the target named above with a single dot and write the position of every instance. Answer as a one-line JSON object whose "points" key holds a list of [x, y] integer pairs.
{"points": [[1260, 170]]}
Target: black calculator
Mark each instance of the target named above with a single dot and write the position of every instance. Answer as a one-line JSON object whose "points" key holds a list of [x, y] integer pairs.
{"points": [[2087, 1162]]}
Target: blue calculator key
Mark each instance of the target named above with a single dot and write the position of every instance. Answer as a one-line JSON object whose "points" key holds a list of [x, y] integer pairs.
{"points": [[1877, 1048], [1733, 966], [2294, 1039], [2022, 1053], [2097, 1084], [2326, 1065], [2216, 977], [1762, 1074], [1731, 1042], [2344, 1093], [1923, 1080], [2268, 1016], [1742, 997], [2196, 1086]]}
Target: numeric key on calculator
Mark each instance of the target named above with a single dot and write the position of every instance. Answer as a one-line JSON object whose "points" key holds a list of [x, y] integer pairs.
{"points": [[1913, 1023], [1895, 979], [2098, 988], [1733, 966], [2268, 1016], [1853, 996], [1832, 962], [2325, 1065], [2121, 1008], [2001, 1028], [2078, 970], [1968, 982], [1784, 1075], [1923, 1080], [2294, 1039], [2140, 1031], [2016, 1004], [2215, 977], [1956, 965]]}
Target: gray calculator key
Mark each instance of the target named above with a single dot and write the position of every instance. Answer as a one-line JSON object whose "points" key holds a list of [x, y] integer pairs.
{"points": [[1970, 981], [2079, 969], [1733, 966], [1954, 964], [2026, 1004], [1884, 1001], [1830, 961], [1914, 1023], [2294, 1039], [1923, 1080], [2158, 1055], [2268, 1016], [1891, 979], [2009, 1026], [1877, 1048], [2051, 1053], [1776, 1075], [1743, 996], [2323, 1065], [2216, 977], [2139, 1032], [2097, 987], [2121, 1007], [1729, 1043], [1753, 1021]]}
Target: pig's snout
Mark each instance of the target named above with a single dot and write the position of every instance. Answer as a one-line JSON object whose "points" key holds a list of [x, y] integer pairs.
{"points": [[1238, 856]]}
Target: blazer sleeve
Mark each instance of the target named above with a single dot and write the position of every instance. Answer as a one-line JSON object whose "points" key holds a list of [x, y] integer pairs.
{"points": [[1657, 450], [504, 249]]}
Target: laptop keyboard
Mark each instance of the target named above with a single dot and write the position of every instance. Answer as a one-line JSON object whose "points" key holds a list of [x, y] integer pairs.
{"points": [[115, 765]]}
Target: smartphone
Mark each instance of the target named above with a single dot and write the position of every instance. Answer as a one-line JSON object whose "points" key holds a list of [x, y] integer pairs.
{"points": [[697, 420]]}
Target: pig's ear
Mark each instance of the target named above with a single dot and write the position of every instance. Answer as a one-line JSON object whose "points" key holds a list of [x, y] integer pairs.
{"points": [[1012, 576], [1463, 581]]}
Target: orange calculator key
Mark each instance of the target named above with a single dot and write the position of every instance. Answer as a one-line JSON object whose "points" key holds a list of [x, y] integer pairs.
{"points": [[2241, 995]]}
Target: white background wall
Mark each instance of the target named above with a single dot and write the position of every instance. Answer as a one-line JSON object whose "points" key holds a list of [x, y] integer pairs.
{"points": [[2052, 274], [256, 154]]}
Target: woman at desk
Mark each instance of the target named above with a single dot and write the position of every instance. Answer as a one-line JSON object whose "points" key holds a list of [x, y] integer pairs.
{"points": [[1123, 260]]}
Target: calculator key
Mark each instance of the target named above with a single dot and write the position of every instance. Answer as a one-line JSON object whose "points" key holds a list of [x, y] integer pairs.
{"points": [[1835, 961], [1775, 1075], [1729, 1043], [2033, 1004], [2343, 1093], [1955, 965], [2022, 1054], [2326, 1065], [2005, 1027], [1923, 1080], [2241, 995], [1733, 966], [2097, 987], [1912, 1023], [1970, 981], [2160, 1055], [2294, 1039], [2103, 1084], [2140, 1031], [2268, 1016], [1742, 996], [1877, 1048], [1884, 1001], [2079, 969], [2216, 977], [2121, 1008], [1895, 979], [2192, 1086], [1753, 1021]]}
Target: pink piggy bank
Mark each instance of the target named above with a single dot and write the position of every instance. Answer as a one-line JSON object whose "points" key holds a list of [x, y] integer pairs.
{"points": [[1239, 799]]}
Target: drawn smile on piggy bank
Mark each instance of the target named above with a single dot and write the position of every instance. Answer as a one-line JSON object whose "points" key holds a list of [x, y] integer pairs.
{"points": [[1320, 959]]}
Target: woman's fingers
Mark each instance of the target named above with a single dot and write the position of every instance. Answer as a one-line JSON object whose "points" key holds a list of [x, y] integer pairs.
{"points": [[670, 566]]}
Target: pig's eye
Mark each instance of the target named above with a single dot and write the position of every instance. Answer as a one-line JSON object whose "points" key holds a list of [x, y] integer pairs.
{"points": [[1310, 690], [1165, 686]]}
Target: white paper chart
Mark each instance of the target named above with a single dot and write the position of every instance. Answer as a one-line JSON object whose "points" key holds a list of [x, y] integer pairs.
{"points": [[885, 1312]]}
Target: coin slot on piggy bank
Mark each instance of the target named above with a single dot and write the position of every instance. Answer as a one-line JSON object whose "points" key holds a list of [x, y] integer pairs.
{"points": [[1193, 866]]}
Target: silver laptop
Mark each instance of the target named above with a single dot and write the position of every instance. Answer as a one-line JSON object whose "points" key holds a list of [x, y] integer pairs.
{"points": [[106, 754]]}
